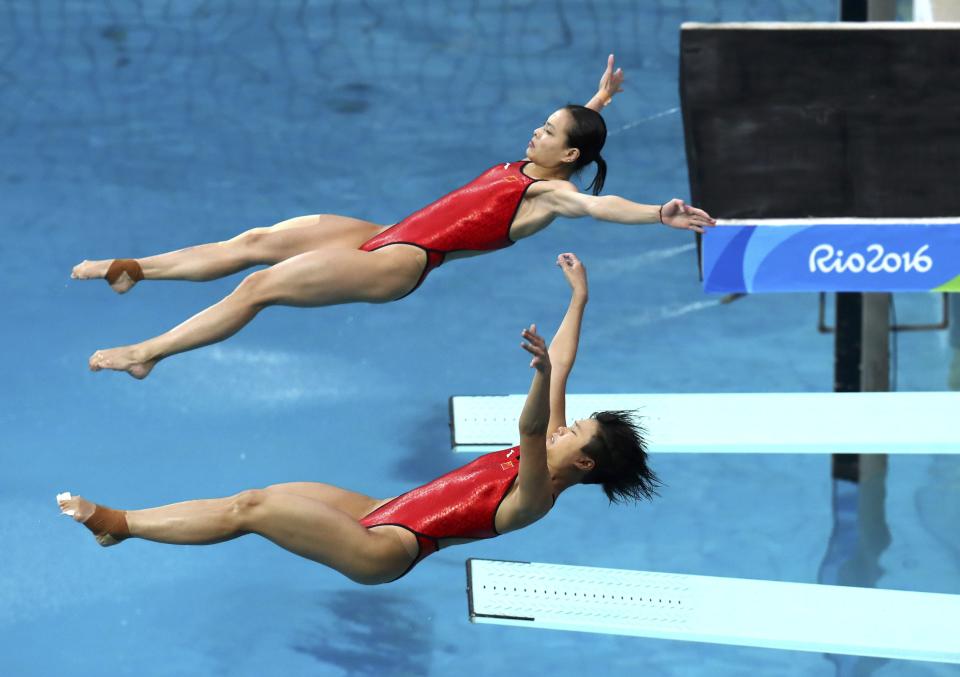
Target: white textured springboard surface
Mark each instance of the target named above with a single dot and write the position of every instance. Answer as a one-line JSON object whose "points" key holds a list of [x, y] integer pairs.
{"points": [[798, 616], [770, 423]]}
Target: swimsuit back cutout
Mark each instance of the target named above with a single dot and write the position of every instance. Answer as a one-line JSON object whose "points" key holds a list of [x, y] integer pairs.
{"points": [[474, 217], [461, 504]]}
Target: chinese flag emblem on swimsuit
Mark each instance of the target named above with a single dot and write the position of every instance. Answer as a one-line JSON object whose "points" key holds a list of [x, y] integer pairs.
{"points": [[507, 465]]}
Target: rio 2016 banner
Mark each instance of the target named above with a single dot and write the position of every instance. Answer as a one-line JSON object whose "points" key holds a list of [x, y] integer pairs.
{"points": [[844, 254]]}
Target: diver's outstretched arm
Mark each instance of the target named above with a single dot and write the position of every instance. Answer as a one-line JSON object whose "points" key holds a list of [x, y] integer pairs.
{"points": [[675, 213], [563, 347], [610, 84]]}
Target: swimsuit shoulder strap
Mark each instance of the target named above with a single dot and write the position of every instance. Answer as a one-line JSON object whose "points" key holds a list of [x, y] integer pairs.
{"points": [[521, 164]]}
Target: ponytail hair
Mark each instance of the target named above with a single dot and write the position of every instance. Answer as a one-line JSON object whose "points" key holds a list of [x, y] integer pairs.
{"points": [[597, 184], [588, 133]]}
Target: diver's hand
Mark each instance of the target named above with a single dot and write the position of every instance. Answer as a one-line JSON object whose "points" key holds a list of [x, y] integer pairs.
{"points": [[536, 346], [575, 272], [682, 216], [610, 83]]}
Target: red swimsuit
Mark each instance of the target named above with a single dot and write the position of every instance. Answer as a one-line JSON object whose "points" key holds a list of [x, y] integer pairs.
{"points": [[461, 504], [475, 217]]}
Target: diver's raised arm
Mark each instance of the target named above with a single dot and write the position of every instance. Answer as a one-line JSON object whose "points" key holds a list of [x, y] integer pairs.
{"points": [[534, 489], [563, 347]]}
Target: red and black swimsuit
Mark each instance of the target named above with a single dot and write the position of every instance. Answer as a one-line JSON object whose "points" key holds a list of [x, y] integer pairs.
{"points": [[461, 504], [475, 217]]}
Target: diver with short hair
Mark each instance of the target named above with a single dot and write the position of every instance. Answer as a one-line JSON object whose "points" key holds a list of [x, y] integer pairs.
{"points": [[374, 541]]}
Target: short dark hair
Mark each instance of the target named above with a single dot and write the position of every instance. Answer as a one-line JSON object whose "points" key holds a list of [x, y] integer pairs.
{"points": [[619, 453], [588, 133]]}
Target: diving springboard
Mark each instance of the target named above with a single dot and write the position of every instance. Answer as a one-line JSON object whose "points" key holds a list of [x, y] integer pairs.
{"points": [[767, 423], [895, 624]]}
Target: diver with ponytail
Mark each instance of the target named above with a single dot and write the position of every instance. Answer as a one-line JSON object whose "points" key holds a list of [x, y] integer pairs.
{"points": [[327, 259]]}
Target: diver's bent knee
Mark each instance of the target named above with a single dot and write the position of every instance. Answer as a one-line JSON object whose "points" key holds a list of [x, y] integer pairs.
{"points": [[254, 287], [245, 506], [250, 238]]}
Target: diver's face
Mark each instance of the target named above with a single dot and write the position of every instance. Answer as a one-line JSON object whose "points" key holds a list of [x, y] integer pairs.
{"points": [[565, 445], [548, 147]]}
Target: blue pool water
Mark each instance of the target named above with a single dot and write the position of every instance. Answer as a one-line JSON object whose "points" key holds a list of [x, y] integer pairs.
{"points": [[134, 128]]}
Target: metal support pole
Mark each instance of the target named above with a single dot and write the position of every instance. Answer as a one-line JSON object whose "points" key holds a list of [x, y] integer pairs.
{"points": [[847, 359], [874, 377]]}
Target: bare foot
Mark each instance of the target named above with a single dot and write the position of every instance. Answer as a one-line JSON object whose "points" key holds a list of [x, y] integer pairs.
{"points": [[94, 270], [82, 510], [126, 358]]}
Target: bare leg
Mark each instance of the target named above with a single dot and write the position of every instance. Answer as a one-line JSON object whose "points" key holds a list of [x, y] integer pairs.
{"points": [[316, 278], [258, 246], [354, 504], [297, 524]]}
